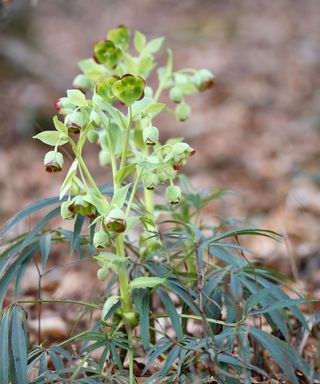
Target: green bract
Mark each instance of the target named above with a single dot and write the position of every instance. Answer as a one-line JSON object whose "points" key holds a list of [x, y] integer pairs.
{"points": [[106, 53], [129, 88], [119, 36], [104, 88]]}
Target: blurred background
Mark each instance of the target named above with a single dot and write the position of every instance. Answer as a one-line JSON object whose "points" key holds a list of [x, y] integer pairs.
{"points": [[256, 133]]}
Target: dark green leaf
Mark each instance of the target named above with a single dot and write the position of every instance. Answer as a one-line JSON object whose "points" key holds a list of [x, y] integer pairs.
{"points": [[172, 312], [45, 246], [4, 348], [19, 348]]}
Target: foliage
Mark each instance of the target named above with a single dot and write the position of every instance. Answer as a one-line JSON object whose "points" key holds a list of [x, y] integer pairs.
{"points": [[179, 272]]}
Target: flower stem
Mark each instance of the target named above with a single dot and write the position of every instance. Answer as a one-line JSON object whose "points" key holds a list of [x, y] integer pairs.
{"points": [[126, 141]]}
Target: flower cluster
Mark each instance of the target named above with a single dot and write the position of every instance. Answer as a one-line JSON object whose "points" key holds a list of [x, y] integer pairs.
{"points": [[113, 106]]}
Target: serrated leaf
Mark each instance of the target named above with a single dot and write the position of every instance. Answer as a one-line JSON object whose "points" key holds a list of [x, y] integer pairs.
{"points": [[76, 97], [45, 246], [147, 282], [139, 41], [51, 138], [153, 45], [19, 348]]}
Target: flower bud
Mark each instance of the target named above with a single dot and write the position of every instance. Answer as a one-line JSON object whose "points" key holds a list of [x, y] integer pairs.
{"points": [[182, 112], [115, 221], [104, 158], [63, 105], [95, 119], [53, 161], [82, 83], [176, 94], [101, 239], [82, 207], [150, 135], [148, 92], [74, 189], [203, 80], [173, 195], [93, 136], [150, 181], [65, 212], [74, 122], [178, 164], [102, 273], [190, 152]]}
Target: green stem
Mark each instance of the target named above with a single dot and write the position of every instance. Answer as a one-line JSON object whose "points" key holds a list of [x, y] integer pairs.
{"points": [[126, 141], [149, 201], [133, 193], [89, 177], [125, 293], [131, 372], [78, 369], [89, 305], [112, 155], [75, 337]]}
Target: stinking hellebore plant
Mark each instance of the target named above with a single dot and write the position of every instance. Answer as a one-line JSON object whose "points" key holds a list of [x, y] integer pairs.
{"points": [[172, 275]]}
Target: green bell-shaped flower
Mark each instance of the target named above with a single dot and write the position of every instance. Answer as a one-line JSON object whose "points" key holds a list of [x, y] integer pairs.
{"points": [[115, 221], [82, 82], [150, 135], [53, 161], [150, 181], [79, 205], [65, 212], [102, 273], [203, 79], [176, 95], [74, 122], [101, 239], [182, 111], [173, 195]]}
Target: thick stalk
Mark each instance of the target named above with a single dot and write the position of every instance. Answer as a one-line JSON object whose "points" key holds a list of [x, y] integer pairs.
{"points": [[125, 293]]}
